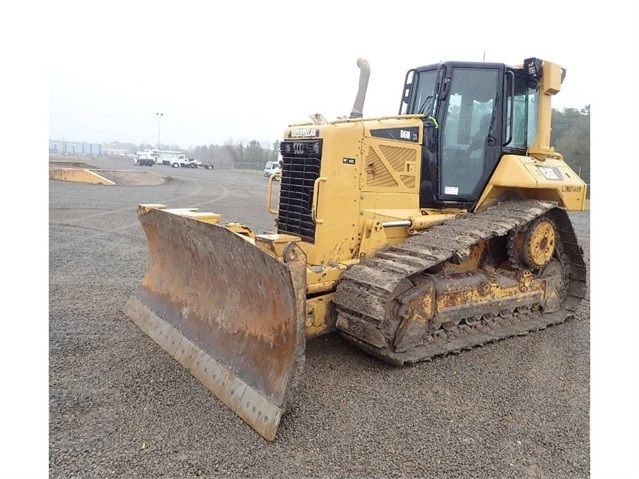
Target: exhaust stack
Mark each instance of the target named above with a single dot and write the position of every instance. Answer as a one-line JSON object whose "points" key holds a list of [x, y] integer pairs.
{"points": [[365, 72]]}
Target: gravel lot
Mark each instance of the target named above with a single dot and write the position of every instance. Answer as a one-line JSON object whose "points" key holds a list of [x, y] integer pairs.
{"points": [[121, 407]]}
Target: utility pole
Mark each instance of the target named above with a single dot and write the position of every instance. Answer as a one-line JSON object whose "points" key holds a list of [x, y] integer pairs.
{"points": [[159, 115]]}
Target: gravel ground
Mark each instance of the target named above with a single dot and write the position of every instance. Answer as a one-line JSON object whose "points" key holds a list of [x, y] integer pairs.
{"points": [[121, 407]]}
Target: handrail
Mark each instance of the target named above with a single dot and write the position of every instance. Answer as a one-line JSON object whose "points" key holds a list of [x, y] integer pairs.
{"points": [[315, 199], [269, 192]]}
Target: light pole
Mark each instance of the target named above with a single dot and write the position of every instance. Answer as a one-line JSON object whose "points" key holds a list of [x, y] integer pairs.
{"points": [[159, 115]]}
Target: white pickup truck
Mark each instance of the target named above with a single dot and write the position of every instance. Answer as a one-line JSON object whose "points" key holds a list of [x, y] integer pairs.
{"points": [[272, 168], [181, 161]]}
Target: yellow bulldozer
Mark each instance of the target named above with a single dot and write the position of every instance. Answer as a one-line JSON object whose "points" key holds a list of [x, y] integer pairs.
{"points": [[415, 235]]}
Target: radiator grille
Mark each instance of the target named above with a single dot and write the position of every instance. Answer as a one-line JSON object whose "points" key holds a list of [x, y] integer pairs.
{"points": [[300, 168]]}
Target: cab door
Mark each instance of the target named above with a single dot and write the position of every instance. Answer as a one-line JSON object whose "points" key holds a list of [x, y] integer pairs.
{"points": [[469, 131]]}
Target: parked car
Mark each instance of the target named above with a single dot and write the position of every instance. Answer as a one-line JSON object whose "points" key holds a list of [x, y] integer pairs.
{"points": [[271, 168]]}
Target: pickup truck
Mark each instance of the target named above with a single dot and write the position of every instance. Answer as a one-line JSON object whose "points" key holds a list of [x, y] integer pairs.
{"points": [[272, 168], [181, 161]]}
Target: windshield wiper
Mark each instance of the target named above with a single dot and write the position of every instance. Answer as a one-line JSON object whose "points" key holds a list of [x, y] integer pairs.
{"points": [[427, 105]]}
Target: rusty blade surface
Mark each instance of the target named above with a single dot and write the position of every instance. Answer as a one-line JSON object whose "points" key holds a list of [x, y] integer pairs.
{"points": [[228, 312]]}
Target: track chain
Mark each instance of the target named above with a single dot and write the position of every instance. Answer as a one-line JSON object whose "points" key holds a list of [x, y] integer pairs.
{"points": [[370, 287]]}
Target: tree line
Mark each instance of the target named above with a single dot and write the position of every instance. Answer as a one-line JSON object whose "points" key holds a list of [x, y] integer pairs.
{"points": [[570, 136], [250, 155]]}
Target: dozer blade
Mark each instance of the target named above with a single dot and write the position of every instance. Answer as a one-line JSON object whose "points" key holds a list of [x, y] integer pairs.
{"points": [[228, 312]]}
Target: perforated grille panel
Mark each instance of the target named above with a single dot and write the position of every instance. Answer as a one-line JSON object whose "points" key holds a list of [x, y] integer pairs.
{"points": [[377, 174]]}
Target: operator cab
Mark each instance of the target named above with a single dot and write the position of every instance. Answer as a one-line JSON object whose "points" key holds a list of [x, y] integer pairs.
{"points": [[468, 125]]}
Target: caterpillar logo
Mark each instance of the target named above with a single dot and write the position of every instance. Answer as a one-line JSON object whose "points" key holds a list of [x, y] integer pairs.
{"points": [[303, 133], [550, 173]]}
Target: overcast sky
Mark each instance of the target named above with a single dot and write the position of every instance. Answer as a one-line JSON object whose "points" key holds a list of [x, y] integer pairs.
{"points": [[245, 70]]}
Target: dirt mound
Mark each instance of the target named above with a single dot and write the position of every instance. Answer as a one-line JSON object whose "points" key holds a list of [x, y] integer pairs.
{"points": [[132, 178], [72, 164], [118, 177]]}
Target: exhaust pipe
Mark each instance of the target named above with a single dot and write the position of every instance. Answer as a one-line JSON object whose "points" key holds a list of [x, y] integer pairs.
{"points": [[365, 72]]}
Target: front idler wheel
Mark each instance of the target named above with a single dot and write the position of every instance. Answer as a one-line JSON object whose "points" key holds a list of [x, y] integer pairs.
{"points": [[533, 247]]}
